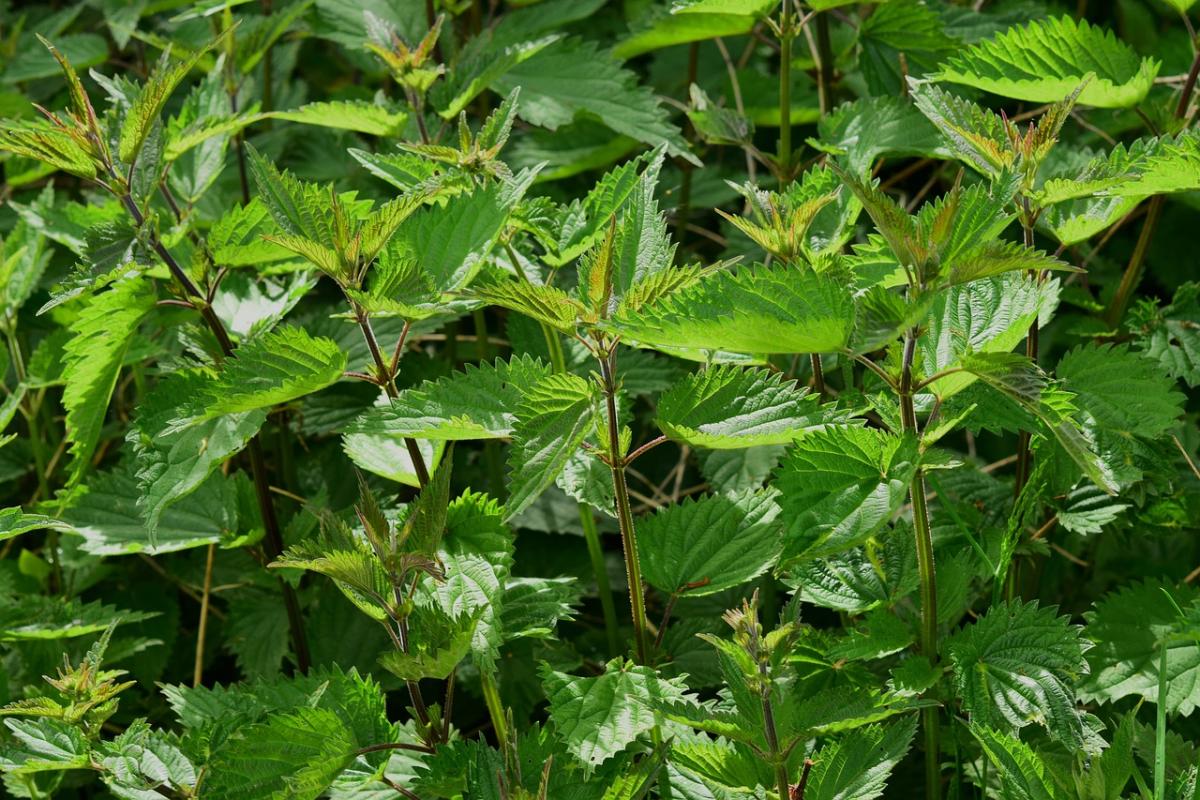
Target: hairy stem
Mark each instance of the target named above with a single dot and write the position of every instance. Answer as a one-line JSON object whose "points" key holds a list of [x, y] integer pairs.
{"points": [[1031, 352], [273, 536], [925, 568], [388, 380], [633, 569], [495, 708]]}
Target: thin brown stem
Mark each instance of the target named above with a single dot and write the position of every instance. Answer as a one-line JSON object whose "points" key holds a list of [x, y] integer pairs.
{"points": [[202, 628]]}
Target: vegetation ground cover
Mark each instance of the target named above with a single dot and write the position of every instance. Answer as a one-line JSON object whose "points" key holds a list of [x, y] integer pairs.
{"points": [[586, 400]]}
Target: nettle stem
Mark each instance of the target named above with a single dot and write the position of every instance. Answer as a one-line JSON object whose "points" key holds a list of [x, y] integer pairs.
{"points": [[633, 569], [785, 95], [386, 374], [272, 536], [1024, 440], [926, 570], [587, 519]]}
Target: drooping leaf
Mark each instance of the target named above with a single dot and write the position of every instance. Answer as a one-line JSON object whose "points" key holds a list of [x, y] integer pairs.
{"points": [[551, 424], [351, 115], [1022, 771], [278, 367], [857, 766]]}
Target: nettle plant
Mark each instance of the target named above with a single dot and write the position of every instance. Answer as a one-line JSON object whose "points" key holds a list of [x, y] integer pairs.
{"points": [[696, 400]]}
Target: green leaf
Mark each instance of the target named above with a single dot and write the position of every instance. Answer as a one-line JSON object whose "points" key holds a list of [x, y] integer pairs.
{"points": [[173, 464], [1016, 665], [546, 304], [44, 745], [35, 617], [857, 766], [750, 310], [1019, 379], [101, 336], [728, 407], [148, 104], [841, 486], [438, 642], [974, 134], [1023, 773], [14, 522], [277, 367], [295, 755], [692, 22], [1124, 391], [573, 78], [551, 424], [108, 518], [708, 545], [599, 717], [986, 316], [1128, 628], [1170, 334], [351, 115], [144, 760], [1047, 59], [478, 403], [864, 130], [451, 238]]}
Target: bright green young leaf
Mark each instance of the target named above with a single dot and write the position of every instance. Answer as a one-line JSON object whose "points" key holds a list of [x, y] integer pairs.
{"points": [[44, 745], [551, 423], [150, 100], [754, 310], [101, 336], [840, 486], [599, 717], [479, 403], [859, 764], [1045, 60], [728, 407], [1023, 773], [351, 115], [708, 545]]}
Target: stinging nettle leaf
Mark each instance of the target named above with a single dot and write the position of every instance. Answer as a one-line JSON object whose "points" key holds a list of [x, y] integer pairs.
{"points": [[728, 407], [704, 546], [1047, 59]]}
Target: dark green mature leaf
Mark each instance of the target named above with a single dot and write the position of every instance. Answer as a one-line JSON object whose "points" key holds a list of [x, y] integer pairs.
{"points": [[173, 464], [35, 617], [1171, 334], [750, 310], [1128, 628], [839, 487], [101, 336], [708, 545], [599, 717], [727, 407], [551, 423], [1124, 391], [479, 403], [1047, 59], [1017, 665], [44, 745], [573, 77]]}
